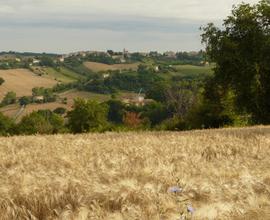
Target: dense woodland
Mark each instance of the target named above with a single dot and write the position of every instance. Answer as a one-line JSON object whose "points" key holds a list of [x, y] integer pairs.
{"points": [[236, 93]]}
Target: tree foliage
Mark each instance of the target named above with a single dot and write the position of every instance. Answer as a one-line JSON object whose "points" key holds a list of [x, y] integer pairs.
{"points": [[41, 122], [6, 125], [86, 116], [10, 98], [241, 51]]}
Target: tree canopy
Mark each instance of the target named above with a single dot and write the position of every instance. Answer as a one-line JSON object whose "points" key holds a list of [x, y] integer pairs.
{"points": [[87, 115], [241, 51]]}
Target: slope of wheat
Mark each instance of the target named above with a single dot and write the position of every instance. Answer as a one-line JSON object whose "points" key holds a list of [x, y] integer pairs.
{"points": [[21, 81], [224, 174]]}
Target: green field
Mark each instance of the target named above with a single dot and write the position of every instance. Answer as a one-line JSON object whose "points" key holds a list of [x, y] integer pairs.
{"points": [[192, 72], [64, 75]]}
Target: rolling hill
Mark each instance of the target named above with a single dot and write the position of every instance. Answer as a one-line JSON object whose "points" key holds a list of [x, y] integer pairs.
{"points": [[210, 174], [22, 81]]}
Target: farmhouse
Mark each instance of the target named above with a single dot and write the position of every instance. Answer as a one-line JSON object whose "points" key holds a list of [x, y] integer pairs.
{"points": [[61, 59], [137, 101], [38, 98], [106, 75]]}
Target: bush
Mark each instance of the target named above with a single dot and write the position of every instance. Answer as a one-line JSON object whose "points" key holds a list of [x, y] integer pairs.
{"points": [[172, 124], [156, 112], [60, 111], [10, 98], [1, 81], [25, 100], [41, 122], [116, 111], [6, 125]]}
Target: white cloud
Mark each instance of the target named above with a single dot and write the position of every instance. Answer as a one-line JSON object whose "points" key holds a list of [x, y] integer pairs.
{"points": [[70, 25], [188, 9]]}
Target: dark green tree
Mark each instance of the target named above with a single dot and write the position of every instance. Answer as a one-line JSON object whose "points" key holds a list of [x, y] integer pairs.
{"points": [[6, 125], [241, 51], [158, 91], [156, 112], [87, 116], [116, 110], [60, 111]]}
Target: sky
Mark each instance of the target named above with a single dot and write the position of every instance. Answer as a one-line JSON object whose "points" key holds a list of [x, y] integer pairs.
{"points": [[62, 26]]}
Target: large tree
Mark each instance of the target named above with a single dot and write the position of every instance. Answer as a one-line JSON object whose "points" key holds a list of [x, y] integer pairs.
{"points": [[87, 115], [241, 51]]}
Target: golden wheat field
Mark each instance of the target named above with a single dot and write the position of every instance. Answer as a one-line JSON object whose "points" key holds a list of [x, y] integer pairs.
{"points": [[21, 81], [216, 174]]}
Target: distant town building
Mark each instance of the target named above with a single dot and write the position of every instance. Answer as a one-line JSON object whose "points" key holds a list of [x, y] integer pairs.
{"points": [[170, 54], [106, 75], [61, 59], [136, 100], [35, 61]]}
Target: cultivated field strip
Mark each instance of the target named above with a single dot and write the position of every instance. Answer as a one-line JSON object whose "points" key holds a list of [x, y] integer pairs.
{"points": [[222, 174]]}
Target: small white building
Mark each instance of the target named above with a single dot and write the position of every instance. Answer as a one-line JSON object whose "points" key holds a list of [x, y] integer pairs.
{"points": [[39, 98], [106, 75], [35, 61]]}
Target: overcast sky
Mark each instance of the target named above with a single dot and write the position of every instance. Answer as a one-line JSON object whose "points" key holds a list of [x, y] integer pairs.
{"points": [[139, 25]]}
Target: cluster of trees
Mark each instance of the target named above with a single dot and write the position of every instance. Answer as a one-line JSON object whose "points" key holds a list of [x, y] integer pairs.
{"points": [[100, 58], [144, 77], [239, 90], [91, 116], [47, 95], [39, 122]]}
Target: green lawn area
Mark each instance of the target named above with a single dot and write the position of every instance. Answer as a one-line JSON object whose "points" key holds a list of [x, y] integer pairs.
{"points": [[64, 75], [191, 71]]}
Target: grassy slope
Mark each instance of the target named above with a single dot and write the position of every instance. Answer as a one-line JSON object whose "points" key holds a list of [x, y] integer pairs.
{"points": [[191, 71], [64, 75], [224, 175]]}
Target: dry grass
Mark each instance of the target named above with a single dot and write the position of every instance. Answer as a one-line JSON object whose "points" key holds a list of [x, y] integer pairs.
{"points": [[22, 81], [96, 67], [115, 176]]}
